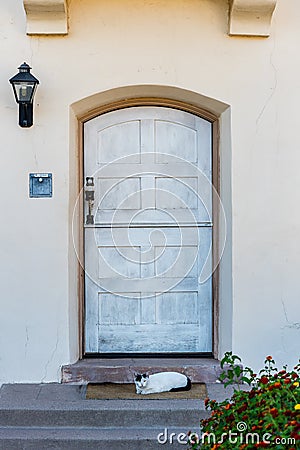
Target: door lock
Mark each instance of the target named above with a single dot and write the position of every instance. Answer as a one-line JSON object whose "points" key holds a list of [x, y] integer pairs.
{"points": [[90, 198]]}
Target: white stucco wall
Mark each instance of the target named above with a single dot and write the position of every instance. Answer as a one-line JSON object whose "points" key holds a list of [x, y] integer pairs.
{"points": [[182, 43]]}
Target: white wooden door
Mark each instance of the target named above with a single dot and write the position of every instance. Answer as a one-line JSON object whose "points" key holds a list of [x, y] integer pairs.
{"points": [[152, 232]]}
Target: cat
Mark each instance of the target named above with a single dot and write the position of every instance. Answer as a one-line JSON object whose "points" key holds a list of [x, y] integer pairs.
{"points": [[161, 382]]}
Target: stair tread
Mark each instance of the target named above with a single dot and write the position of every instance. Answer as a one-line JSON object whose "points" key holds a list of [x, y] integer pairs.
{"points": [[86, 405], [72, 396], [106, 433]]}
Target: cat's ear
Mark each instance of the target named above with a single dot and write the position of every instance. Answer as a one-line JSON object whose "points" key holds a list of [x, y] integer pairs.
{"points": [[137, 377]]}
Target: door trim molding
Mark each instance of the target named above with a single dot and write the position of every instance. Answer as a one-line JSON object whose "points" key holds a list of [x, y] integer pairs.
{"points": [[148, 101], [85, 110]]}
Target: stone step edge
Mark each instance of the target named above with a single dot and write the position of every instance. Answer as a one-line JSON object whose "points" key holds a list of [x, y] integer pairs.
{"points": [[91, 433], [105, 405], [101, 419]]}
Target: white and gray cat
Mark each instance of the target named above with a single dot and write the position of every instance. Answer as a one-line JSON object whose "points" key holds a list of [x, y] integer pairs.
{"points": [[161, 382]]}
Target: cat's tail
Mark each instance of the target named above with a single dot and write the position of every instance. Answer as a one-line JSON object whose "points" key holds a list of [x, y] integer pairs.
{"points": [[187, 387]]}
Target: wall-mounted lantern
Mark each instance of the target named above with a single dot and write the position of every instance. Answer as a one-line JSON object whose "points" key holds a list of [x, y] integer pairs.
{"points": [[24, 85]]}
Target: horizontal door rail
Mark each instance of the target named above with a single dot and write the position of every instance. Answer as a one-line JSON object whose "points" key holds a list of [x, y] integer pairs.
{"points": [[150, 225]]}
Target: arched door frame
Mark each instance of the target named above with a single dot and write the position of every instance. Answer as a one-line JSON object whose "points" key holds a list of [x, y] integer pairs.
{"points": [[121, 98]]}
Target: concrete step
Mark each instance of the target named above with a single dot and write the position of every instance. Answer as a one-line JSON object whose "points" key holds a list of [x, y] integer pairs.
{"points": [[57, 416], [104, 413], [48, 438]]}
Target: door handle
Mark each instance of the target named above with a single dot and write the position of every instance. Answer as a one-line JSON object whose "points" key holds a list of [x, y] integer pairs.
{"points": [[90, 198]]}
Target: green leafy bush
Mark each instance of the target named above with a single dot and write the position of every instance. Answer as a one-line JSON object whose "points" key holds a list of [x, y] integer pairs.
{"points": [[267, 415]]}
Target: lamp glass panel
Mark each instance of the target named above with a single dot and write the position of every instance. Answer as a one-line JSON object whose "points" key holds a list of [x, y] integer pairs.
{"points": [[24, 91]]}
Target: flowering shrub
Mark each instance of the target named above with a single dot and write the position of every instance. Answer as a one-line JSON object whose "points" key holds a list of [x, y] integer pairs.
{"points": [[267, 415]]}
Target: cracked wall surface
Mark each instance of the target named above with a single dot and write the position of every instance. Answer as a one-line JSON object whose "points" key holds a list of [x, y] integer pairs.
{"points": [[182, 45]]}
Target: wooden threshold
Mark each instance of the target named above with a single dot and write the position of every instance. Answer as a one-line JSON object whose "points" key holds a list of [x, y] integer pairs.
{"points": [[101, 370]]}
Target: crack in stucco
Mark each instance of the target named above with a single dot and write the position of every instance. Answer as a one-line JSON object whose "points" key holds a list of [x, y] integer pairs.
{"points": [[273, 89], [293, 325], [51, 358], [26, 341]]}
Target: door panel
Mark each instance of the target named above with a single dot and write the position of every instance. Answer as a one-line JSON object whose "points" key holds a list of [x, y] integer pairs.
{"points": [[152, 233]]}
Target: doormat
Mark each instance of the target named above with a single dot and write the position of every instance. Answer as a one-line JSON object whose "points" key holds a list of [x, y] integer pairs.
{"points": [[109, 391]]}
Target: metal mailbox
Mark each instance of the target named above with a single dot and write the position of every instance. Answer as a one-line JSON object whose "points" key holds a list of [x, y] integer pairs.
{"points": [[40, 185]]}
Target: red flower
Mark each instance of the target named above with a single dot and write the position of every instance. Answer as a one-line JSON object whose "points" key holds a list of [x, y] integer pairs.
{"points": [[287, 381], [277, 384], [230, 418], [269, 358], [264, 380], [242, 408], [295, 435], [206, 401], [274, 412]]}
